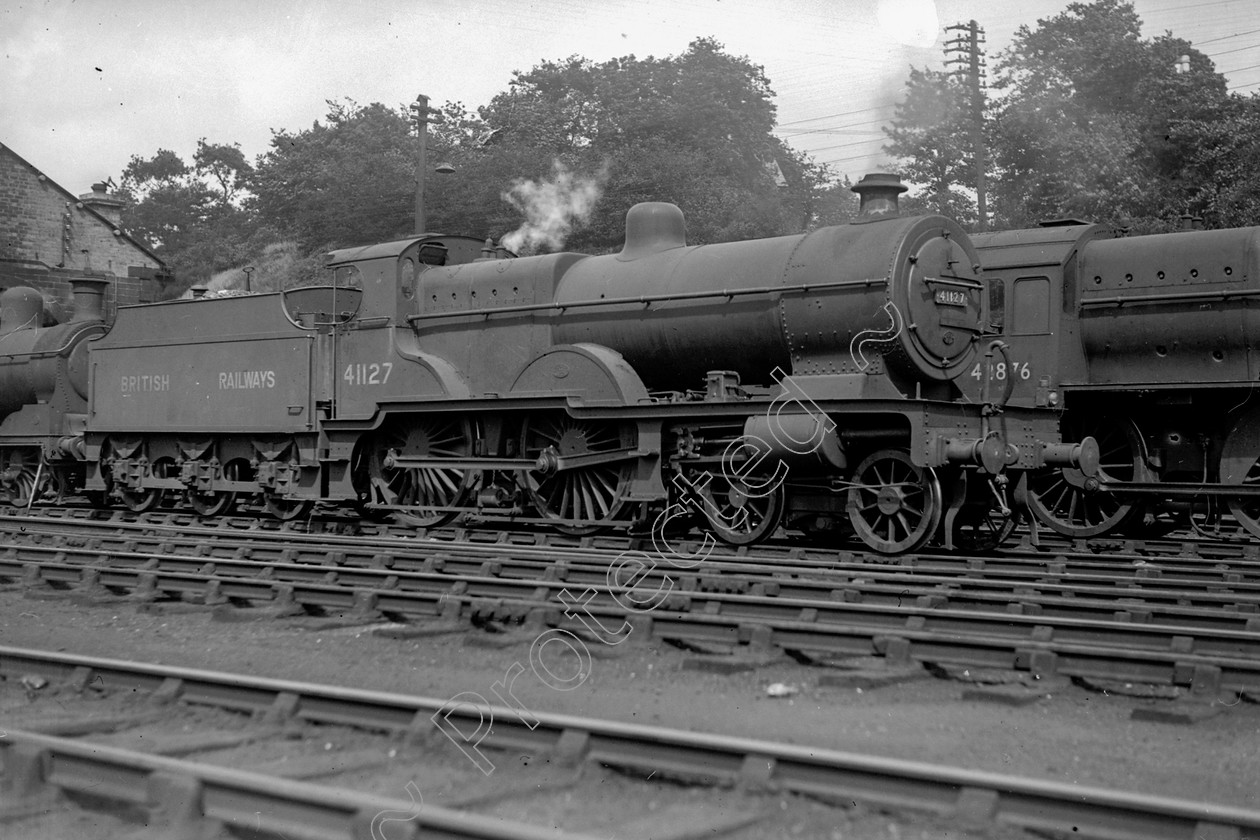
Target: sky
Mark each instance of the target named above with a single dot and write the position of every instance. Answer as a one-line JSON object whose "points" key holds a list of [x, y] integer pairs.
{"points": [[87, 84]]}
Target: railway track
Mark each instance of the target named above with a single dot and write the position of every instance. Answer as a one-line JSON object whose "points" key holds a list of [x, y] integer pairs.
{"points": [[1127, 587], [184, 792], [179, 798], [231, 538], [331, 522], [1208, 649]]}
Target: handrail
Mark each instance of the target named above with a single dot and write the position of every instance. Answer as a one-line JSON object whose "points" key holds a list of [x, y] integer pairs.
{"points": [[1125, 300], [648, 300]]}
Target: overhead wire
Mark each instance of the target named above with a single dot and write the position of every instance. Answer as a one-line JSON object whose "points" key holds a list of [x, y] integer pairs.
{"points": [[1226, 37], [1227, 52], [830, 116], [1179, 7]]}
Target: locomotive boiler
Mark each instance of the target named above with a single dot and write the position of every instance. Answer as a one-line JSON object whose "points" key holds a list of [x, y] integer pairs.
{"points": [[807, 380], [44, 388], [1149, 343]]}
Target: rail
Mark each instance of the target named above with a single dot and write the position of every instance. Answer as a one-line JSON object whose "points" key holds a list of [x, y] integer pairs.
{"points": [[182, 794], [969, 795], [1205, 658]]}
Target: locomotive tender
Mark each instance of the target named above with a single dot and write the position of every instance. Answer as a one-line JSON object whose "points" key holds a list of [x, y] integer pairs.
{"points": [[1150, 343], [810, 380]]}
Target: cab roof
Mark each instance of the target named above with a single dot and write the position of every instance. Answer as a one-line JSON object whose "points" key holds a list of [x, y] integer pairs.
{"points": [[393, 249]]}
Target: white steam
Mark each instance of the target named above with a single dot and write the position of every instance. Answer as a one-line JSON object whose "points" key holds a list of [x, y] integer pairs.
{"points": [[914, 23], [551, 208]]}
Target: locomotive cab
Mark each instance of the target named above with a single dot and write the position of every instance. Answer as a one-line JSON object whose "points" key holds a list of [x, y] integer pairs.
{"points": [[1034, 292]]}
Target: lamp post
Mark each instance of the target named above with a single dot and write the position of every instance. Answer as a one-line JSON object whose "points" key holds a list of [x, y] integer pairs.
{"points": [[420, 108], [249, 269]]}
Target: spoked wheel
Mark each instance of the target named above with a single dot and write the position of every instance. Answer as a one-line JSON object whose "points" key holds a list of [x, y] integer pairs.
{"points": [[735, 514], [287, 509], [216, 502], [894, 505], [422, 488], [28, 481], [582, 500], [1071, 504], [1246, 509], [140, 501]]}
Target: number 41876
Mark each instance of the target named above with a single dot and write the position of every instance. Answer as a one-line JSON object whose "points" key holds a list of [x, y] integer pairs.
{"points": [[1018, 370]]}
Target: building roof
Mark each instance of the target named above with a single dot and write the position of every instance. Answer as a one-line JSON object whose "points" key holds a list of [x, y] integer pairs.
{"points": [[80, 205]]}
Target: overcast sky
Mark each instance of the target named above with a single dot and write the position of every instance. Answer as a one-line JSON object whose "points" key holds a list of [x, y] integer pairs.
{"points": [[86, 84]]}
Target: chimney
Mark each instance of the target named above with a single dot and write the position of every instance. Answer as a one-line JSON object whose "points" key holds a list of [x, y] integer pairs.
{"points": [[878, 192], [103, 202], [89, 299]]}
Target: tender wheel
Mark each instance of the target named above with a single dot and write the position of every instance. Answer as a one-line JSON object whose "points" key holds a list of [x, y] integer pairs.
{"points": [[734, 515], [582, 500], [1246, 509], [216, 503], [1071, 504], [894, 505], [422, 488], [140, 501], [287, 509]]}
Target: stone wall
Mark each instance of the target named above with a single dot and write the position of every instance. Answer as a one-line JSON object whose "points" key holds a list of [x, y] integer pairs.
{"points": [[49, 236]]}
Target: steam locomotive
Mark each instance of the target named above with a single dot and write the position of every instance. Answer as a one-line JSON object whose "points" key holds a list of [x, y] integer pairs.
{"points": [[1150, 344], [810, 381]]}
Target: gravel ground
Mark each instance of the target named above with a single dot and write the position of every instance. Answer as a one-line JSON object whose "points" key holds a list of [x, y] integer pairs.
{"points": [[1070, 734]]}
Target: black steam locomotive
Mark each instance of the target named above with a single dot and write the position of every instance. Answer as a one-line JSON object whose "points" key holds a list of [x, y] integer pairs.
{"points": [[811, 381], [1152, 345]]}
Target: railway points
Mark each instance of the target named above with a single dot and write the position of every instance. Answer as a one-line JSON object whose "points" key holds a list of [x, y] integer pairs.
{"points": [[1205, 649]]}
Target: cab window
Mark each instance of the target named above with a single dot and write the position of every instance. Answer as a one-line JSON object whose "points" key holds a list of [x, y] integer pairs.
{"points": [[1030, 306]]}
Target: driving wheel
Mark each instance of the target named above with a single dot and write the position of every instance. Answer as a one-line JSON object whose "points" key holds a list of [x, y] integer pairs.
{"points": [[894, 505]]}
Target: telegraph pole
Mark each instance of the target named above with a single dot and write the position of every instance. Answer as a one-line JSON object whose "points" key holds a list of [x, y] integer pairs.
{"points": [[420, 108], [971, 58]]}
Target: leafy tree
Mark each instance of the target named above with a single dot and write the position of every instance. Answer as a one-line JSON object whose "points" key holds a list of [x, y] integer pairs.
{"points": [[931, 133], [226, 165], [1088, 123], [347, 181], [693, 129], [193, 228], [1221, 171], [1101, 102]]}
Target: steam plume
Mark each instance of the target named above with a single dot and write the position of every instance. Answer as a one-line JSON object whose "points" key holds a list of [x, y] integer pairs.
{"points": [[551, 207]]}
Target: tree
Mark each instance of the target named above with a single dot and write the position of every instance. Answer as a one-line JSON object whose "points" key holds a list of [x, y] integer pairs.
{"points": [[347, 181], [1221, 171], [930, 132], [1086, 127], [693, 129], [193, 228], [224, 163], [1085, 124]]}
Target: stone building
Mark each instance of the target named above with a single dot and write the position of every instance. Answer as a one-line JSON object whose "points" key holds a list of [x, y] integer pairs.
{"points": [[49, 236]]}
